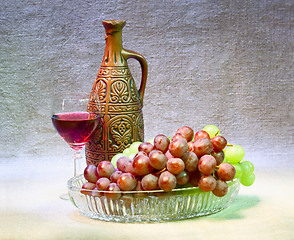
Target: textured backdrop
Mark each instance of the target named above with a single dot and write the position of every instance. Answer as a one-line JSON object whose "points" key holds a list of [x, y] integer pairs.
{"points": [[228, 63]]}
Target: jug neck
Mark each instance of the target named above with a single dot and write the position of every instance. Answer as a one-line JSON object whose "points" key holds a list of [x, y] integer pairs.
{"points": [[113, 48]]}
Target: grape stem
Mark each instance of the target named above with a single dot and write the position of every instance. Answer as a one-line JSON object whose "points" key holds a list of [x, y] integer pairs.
{"points": [[159, 172]]}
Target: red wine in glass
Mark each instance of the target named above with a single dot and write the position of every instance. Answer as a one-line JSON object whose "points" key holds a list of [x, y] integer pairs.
{"points": [[75, 127]]}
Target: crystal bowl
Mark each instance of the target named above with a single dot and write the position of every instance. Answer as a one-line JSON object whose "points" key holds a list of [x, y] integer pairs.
{"points": [[148, 206]]}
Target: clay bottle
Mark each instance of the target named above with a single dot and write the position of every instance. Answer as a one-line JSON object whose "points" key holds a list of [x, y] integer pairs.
{"points": [[121, 102]]}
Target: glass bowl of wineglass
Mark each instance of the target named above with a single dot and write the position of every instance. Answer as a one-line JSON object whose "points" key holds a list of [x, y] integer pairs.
{"points": [[75, 117]]}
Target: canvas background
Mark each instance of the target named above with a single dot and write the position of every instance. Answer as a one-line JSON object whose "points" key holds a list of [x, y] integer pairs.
{"points": [[228, 63]]}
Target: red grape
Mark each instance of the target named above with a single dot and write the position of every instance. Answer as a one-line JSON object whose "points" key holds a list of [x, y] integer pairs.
{"points": [[149, 182], [113, 191], [201, 134], [175, 165], [138, 186], [95, 193], [105, 169], [161, 142], [182, 178], [178, 147], [141, 165], [219, 157], [88, 186], [102, 183], [140, 153], [178, 135], [191, 146], [126, 181], [113, 178], [187, 132], [207, 164], [191, 160], [202, 146], [226, 171], [194, 178], [91, 174], [122, 162], [157, 159], [219, 143], [145, 147], [129, 167], [220, 189], [167, 181], [207, 183], [168, 154]]}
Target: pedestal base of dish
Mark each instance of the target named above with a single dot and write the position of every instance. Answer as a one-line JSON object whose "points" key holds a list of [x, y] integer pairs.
{"points": [[148, 206]]}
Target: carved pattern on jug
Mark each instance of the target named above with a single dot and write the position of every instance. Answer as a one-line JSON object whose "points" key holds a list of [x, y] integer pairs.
{"points": [[100, 89], [120, 132], [119, 91], [134, 92], [139, 123]]}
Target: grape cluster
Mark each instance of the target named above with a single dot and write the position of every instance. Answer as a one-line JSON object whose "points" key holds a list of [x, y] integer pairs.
{"points": [[202, 159]]}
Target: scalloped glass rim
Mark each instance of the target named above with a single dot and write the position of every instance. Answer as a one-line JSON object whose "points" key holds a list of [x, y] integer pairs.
{"points": [[148, 206]]}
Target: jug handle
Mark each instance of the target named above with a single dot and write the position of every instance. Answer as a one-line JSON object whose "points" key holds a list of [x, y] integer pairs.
{"points": [[130, 54]]}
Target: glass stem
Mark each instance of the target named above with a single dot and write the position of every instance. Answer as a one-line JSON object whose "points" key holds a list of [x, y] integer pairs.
{"points": [[77, 160]]}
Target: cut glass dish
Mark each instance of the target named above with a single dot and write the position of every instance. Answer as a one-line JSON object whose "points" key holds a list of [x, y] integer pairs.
{"points": [[148, 206]]}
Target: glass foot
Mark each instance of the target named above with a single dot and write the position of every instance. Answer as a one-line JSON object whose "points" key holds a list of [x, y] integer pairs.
{"points": [[64, 196]]}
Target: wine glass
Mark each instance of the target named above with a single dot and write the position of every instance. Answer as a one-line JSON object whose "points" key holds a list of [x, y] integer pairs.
{"points": [[75, 117]]}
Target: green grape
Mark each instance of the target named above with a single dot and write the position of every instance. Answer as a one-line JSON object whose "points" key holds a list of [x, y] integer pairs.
{"points": [[247, 168], [234, 153], [238, 168], [126, 151], [225, 160], [134, 147], [247, 180], [211, 130], [116, 157]]}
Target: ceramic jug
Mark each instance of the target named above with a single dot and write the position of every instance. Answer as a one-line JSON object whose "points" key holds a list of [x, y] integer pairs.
{"points": [[121, 102]]}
